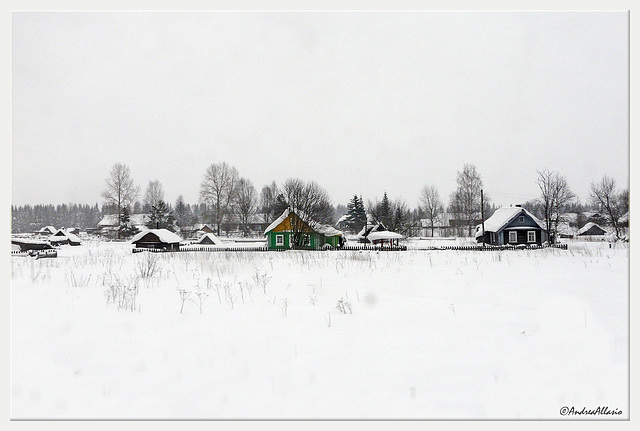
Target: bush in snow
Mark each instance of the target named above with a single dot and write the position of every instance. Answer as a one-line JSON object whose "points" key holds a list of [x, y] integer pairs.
{"points": [[261, 280], [148, 265], [344, 306], [123, 294]]}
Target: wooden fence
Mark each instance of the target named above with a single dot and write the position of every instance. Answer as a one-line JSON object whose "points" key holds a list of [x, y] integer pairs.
{"points": [[39, 254]]}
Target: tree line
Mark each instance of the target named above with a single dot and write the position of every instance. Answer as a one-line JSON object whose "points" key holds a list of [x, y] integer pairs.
{"points": [[224, 194]]}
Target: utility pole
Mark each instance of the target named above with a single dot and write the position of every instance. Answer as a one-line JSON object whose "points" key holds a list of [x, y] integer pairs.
{"points": [[482, 213]]}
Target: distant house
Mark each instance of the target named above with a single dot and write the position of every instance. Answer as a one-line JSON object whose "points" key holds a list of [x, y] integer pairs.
{"points": [[157, 239], [201, 227], [233, 223], [512, 226], [64, 237], [591, 229], [595, 217], [26, 244], [108, 226], [47, 230], [624, 220], [280, 233], [343, 222], [209, 239]]}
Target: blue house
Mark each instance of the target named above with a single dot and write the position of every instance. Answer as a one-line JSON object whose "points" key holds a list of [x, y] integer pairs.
{"points": [[512, 226]]}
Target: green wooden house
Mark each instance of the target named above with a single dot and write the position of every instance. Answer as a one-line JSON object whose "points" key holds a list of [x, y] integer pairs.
{"points": [[311, 235]]}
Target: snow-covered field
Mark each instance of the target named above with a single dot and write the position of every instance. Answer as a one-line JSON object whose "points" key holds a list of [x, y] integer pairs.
{"points": [[426, 335]]}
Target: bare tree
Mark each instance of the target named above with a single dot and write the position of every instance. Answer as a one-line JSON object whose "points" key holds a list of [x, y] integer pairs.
{"points": [[245, 202], [120, 192], [268, 199], [555, 196], [217, 190], [309, 202], [153, 195], [614, 204], [466, 198], [431, 204], [182, 215]]}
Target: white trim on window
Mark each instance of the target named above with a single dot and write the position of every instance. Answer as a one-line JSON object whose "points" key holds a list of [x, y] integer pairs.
{"points": [[513, 236], [279, 239], [531, 236], [521, 219]]}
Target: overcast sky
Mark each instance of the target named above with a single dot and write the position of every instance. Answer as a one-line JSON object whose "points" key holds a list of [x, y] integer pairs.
{"points": [[361, 102]]}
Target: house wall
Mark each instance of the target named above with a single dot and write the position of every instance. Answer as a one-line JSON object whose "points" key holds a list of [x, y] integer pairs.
{"points": [[522, 236], [316, 240]]}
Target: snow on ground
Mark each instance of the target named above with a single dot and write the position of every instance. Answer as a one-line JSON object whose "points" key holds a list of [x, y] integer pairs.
{"points": [[432, 334]]}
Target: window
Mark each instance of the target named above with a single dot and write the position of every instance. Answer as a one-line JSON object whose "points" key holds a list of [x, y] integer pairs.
{"points": [[279, 239], [531, 236], [306, 240], [521, 219], [513, 236]]}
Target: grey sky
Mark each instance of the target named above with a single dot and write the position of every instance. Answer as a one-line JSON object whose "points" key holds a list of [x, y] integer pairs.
{"points": [[360, 102]]}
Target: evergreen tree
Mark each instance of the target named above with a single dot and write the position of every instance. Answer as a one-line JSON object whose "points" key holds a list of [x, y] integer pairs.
{"points": [[356, 214], [384, 214], [181, 213], [279, 206], [161, 216], [126, 228]]}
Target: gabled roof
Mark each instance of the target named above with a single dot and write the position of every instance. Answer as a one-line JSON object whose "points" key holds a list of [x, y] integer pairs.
{"points": [[369, 228], [50, 229], [162, 234], [64, 234], [588, 226], [212, 237], [502, 217], [324, 229]]}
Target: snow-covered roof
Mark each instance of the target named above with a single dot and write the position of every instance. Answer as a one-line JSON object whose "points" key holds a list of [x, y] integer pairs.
{"points": [[502, 217], [48, 229], [163, 235], [62, 233], [367, 229], [27, 241], [588, 226], [385, 234], [324, 229], [212, 237]]}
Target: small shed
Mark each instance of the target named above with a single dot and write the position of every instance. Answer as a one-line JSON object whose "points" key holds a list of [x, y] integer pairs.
{"points": [[157, 239], [312, 235], [385, 237], [378, 234], [513, 226], [591, 229], [368, 229], [209, 239]]}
